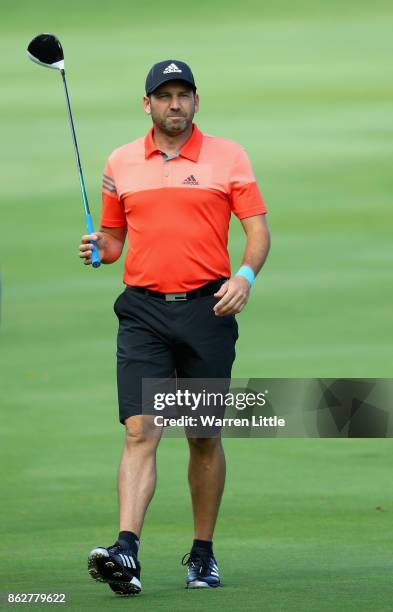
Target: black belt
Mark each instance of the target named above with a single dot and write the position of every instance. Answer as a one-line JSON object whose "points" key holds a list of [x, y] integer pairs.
{"points": [[207, 289]]}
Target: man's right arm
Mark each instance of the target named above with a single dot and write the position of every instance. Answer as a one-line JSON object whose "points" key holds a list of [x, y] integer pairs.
{"points": [[110, 242]]}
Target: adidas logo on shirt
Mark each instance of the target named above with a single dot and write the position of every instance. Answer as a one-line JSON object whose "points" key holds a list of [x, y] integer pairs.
{"points": [[171, 68], [190, 180]]}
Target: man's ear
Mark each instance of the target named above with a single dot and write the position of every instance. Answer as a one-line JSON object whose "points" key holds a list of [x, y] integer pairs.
{"points": [[196, 102], [146, 105]]}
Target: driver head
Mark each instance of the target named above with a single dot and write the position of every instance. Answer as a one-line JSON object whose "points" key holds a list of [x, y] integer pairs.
{"points": [[46, 50]]}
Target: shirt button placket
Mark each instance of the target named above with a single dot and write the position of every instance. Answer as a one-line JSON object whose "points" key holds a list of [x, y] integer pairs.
{"points": [[165, 163], [165, 167]]}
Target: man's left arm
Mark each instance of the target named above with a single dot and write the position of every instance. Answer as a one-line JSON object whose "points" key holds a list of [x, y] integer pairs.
{"points": [[235, 292]]}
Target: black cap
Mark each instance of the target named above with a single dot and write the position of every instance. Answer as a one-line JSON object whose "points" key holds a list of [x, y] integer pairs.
{"points": [[168, 70]]}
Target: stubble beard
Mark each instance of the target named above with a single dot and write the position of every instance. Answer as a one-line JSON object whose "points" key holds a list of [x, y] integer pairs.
{"points": [[172, 128]]}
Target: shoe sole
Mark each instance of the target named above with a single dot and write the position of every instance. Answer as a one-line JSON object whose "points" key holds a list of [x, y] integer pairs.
{"points": [[200, 584], [102, 569], [124, 589]]}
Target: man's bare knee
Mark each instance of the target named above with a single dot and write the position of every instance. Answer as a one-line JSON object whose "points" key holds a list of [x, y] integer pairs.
{"points": [[140, 430]]}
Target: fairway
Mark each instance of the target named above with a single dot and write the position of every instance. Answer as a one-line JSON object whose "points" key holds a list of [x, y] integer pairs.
{"points": [[299, 528], [305, 524]]}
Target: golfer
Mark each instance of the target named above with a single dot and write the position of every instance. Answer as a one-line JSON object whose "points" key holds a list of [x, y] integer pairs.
{"points": [[172, 194]]}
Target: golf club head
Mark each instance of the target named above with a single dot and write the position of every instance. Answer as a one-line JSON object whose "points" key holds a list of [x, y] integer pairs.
{"points": [[46, 50]]}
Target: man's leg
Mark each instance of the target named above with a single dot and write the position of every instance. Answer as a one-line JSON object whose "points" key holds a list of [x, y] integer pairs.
{"points": [[206, 477], [207, 352], [137, 472], [118, 565], [143, 351]]}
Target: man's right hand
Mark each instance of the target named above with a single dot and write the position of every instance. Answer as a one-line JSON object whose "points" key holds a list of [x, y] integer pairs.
{"points": [[86, 247]]}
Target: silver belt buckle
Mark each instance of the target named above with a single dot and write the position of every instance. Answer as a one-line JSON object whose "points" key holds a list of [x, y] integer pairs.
{"points": [[175, 297]]}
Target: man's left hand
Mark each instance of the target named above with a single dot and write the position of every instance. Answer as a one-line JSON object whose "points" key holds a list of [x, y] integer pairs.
{"points": [[234, 295]]}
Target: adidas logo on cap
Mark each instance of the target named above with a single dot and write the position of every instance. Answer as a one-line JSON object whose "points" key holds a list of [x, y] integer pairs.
{"points": [[171, 68], [167, 70]]}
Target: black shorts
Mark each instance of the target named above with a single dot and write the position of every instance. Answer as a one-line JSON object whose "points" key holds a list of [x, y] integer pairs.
{"points": [[160, 339]]}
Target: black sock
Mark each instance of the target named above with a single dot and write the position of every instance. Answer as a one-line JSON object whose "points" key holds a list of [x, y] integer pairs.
{"points": [[205, 545], [129, 540]]}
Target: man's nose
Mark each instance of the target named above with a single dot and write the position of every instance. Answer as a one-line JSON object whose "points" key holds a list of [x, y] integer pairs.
{"points": [[175, 102]]}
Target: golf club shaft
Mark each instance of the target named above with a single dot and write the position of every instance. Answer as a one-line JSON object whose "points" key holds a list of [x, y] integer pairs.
{"points": [[95, 258]]}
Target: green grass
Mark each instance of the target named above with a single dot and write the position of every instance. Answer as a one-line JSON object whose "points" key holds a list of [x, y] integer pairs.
{"points": [[305, 88], [299, 527]]}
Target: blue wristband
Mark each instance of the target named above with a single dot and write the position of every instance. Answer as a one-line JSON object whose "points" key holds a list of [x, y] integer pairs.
{"points": [[247, 273]]}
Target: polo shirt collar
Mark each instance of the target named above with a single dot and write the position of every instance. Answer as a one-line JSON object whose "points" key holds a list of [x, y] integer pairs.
{"points": [[190, 149]]}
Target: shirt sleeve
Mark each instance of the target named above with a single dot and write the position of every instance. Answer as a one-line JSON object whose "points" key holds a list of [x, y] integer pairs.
{"points": [[245, 197], [113, 214]]}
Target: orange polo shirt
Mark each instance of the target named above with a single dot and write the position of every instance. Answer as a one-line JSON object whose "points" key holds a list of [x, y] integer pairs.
{"points": [[177, 210]]}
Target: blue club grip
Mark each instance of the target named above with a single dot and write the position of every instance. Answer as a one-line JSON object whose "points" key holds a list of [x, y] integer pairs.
{"points": [[95, 258]]}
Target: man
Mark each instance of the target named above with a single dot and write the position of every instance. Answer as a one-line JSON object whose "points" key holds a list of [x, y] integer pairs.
{"points": [[172, 194]]}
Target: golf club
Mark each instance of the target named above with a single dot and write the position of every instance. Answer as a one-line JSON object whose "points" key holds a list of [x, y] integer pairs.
{"points": [[46, 50]]}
